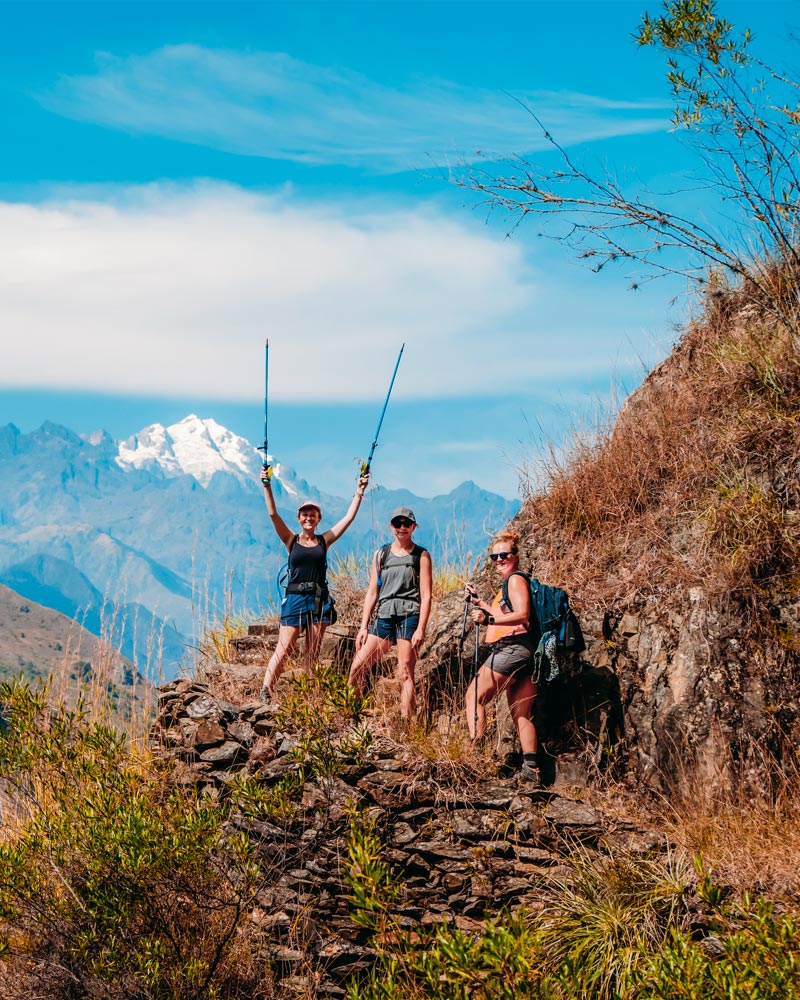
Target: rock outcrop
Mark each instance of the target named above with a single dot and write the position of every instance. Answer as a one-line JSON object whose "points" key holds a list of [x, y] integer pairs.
{"points": [[677, 534]]}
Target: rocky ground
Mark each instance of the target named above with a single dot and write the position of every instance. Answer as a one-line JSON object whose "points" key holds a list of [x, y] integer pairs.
{"points": [[461, 849]]}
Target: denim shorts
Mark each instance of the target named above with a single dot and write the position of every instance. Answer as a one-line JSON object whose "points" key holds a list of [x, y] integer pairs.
{"points": [[395, 627], [298, 609]]}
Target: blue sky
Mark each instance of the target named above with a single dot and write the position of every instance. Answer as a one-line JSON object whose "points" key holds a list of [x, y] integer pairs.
{"points": [[179, 181]]}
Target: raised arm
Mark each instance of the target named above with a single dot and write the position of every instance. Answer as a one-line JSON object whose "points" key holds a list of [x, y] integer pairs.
{"points": [[340, 527], [282, 530]]}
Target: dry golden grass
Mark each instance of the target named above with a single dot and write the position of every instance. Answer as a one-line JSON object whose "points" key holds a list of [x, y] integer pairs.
{"points": [[750, 841], [692, 482]]}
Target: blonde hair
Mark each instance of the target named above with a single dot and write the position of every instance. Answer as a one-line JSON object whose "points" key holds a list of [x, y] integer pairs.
{"points": [[506, 537]]}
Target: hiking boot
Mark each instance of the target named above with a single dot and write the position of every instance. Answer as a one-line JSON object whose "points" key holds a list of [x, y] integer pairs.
{"points": [[266, 696], [531, 776]]}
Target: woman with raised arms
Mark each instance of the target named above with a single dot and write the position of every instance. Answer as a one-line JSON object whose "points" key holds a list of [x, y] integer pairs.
{"points": [[307, 604]]}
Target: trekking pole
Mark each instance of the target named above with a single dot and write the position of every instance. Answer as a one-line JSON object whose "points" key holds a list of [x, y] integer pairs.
{"points": [[266, 471], [475, 677], [462, 637], [365, 468]]}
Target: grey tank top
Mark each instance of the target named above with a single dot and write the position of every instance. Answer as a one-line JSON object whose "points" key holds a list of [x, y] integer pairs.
{"points": [[399, 587]]}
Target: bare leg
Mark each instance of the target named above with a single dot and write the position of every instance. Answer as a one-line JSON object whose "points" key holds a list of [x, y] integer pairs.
{"points": [[370, 653], [406, 661], [489, 686], [521, 696], [287, 638], [314, 636]]}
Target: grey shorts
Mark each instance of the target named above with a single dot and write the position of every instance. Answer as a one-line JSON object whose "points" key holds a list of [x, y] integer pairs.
{"points": [[511, 656]]}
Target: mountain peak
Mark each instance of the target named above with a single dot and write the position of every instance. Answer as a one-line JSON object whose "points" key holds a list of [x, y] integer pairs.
{"points": [[193, 446]]}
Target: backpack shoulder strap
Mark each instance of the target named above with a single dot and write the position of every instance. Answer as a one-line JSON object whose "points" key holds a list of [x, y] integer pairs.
{"points": [[506, 600], [322, 542], [292, 543], [379, 559]]}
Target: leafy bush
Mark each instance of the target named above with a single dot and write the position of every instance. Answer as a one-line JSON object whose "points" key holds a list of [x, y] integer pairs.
{"points": [[116, 884], [754, 956]]}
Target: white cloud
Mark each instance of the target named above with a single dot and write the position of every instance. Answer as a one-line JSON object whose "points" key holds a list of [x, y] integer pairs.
{"points": [[171, 292], [271, 105]]}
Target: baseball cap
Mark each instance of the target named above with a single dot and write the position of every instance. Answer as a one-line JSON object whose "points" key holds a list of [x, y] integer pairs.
{"points": [[310, 503], [403, 512]]}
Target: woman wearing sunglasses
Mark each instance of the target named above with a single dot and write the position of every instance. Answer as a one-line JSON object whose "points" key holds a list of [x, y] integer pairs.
{"points": [[396, 609], [508, 667], [307, 603]]}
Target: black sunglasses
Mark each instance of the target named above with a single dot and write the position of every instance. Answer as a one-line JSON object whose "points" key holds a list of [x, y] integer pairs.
{"points": [[494, 556], [402, 522]]}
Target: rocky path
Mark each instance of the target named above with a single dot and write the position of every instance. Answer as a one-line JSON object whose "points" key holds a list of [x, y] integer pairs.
{"points": [[461, 852]]}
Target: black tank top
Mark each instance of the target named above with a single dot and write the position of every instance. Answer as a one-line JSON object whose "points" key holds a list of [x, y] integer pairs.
{"points": [[307, 563]]}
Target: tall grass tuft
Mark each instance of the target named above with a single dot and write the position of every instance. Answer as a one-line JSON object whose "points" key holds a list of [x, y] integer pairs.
{"points": [[603, 916]]}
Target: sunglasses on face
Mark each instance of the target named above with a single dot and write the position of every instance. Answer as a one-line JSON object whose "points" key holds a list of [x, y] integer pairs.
{"points": [[402, 522], [494, 556]]}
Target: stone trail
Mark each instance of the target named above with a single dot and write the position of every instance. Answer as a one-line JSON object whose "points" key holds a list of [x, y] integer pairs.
{"points": [[461, 853]]}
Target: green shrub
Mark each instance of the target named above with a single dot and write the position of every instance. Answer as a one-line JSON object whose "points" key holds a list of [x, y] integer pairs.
{"points": [[756, 956], [116, 885], [449, 964]]}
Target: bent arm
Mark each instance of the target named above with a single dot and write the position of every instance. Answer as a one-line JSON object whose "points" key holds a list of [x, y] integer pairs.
{"points": [[371, 596], [341, 526], [520, 597], [282, 530]]}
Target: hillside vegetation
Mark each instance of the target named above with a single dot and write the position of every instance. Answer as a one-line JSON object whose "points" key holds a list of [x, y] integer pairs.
{"points": [[43, 647], [696, 483]]}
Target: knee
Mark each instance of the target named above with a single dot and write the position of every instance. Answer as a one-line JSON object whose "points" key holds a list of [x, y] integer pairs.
{"points": [[405, 672]]}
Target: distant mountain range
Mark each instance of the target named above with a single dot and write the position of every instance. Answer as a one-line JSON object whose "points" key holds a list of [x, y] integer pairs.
{"points": [[150, 539]]}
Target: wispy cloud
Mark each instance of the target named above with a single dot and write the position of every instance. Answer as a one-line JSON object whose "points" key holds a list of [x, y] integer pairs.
{"points": [[271, 105], [165, 291]]}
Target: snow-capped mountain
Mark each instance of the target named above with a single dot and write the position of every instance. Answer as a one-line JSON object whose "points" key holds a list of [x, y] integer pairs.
{"points": [[198, 448]]}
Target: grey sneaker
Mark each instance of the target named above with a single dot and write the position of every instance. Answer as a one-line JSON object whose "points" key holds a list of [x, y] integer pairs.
{"points": [[531, 776]]}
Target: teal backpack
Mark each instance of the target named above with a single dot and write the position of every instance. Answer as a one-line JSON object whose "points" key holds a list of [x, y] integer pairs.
{"points": [[553, 626]]}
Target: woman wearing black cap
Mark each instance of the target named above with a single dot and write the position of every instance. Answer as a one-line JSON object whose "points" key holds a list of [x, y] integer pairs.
{"points": [[307, 603], [399, 597]]}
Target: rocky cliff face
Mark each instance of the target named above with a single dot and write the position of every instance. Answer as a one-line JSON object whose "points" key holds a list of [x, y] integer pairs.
{"points": [[676, 535]]}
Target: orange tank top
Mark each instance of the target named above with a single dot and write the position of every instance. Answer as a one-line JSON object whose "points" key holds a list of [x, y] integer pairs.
{"points": [[495, 632]]}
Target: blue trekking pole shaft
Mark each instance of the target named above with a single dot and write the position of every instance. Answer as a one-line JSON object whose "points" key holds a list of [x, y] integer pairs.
{"points": [[267, 467], [366, 466]]}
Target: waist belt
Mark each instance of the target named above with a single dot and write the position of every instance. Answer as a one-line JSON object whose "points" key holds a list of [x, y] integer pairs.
{"points": [[306, 587], [318, 590]]}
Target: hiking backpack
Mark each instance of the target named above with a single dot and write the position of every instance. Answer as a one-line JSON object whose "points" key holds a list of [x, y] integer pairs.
{"points": [[553, 626]]}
